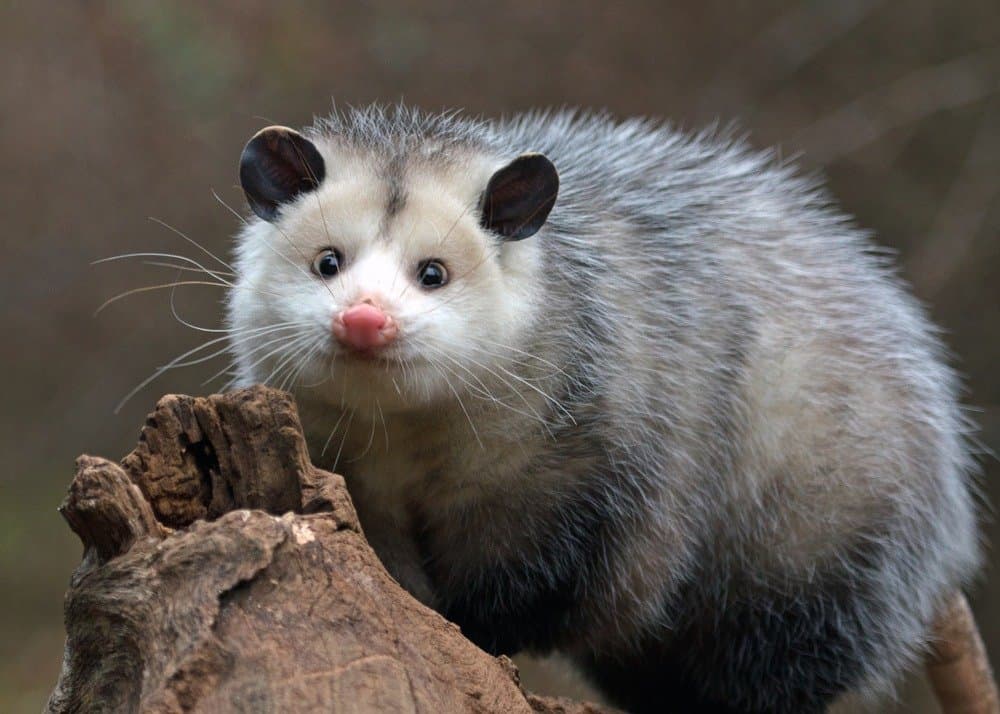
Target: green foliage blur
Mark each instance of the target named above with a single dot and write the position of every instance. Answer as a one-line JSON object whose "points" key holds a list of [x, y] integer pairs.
{"points": [[117, 110]]}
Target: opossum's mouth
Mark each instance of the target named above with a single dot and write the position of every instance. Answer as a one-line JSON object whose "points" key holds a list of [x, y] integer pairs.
{"points": [[368, 356], [390, 359]]}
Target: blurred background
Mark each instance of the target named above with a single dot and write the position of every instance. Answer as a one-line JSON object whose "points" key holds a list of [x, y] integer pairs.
{"points": [[114, 112]]}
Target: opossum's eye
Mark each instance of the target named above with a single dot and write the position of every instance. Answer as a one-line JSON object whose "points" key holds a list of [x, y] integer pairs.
{"points": [[432, 274], [327, 263]]}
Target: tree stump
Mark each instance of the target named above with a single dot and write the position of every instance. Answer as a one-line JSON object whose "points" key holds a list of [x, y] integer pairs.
{"points": [[223, 572]]}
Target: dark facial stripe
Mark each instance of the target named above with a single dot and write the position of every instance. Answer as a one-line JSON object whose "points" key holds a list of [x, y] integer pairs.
{"points": [[394, 175]]}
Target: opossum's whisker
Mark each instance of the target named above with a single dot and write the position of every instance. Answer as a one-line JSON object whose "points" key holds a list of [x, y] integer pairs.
{"points": [[306, 259], [281, 255], [482, 389], [553, 365], [292, 351], [229, 346], [194, 266], [319, 203], [171, 256], [368, 446], [478, 391], [192, 241], [230, 208], [291, 365], [282, 343], [534, 414], [461, 404], [302, 362], [190, 269], [232, 368], [556, 403], [176, 315], [320, 347], [191, 325], [385, 427], [327, 374], [178, 362], [534, 376], [441, 239], [333, 431], [347, 430], [460, 290], [163, 286], [399, 264], [548, 397]]}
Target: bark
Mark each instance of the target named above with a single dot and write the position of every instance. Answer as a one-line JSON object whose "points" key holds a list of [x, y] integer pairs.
{"points": [[223, 572], [958, 668]]}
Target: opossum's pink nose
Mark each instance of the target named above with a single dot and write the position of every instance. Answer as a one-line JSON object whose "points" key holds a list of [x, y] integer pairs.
{"points": [[364, 327]]}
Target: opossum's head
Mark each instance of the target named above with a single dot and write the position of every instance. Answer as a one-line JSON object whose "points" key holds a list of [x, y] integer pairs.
{"points": [[373, 275]]}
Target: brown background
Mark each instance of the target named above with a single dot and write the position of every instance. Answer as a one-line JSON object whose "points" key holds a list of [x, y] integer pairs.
{"points": [[116, 111]]}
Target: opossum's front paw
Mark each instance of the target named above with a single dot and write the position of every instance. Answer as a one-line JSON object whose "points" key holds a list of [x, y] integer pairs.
{"points": [[408, 572], [414, 580]]}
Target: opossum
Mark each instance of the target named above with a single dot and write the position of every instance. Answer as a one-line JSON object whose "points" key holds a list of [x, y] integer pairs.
{"points": [[643, 397]]}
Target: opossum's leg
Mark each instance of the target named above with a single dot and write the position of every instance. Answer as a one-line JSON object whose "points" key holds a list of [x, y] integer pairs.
{"points": [[403, 563], [398, 551], [757, 652]]}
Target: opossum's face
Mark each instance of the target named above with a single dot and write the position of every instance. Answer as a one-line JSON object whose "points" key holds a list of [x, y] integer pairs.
{"points": [[374, 286]]}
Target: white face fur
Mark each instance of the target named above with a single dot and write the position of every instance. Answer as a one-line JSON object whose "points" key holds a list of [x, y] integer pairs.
{"points": [[283, 307]]}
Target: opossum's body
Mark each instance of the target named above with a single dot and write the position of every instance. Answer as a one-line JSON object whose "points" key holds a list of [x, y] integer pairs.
{"points": [[693, 433]]}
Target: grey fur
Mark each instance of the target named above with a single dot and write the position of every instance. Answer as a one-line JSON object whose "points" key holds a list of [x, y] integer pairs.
{"points": [[745, 412]]}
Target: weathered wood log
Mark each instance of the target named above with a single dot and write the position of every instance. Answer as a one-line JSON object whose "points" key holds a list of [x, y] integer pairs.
{"points": [[223, 572], [958, 668]]}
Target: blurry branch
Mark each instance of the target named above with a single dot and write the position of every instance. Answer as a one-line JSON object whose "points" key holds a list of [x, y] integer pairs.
{"points": [[782, 48], [968, 79], [949, 242]]}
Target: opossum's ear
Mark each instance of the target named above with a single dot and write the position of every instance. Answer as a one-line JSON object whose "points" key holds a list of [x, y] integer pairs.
{"points": [[277, 165], [519, 196]]}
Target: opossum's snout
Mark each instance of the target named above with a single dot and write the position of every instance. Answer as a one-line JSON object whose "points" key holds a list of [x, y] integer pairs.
{"points": [[364, 327]]}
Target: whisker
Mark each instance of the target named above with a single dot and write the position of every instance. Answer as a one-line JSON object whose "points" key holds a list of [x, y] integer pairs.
{"points": [[304, 357], [347, 430], [172, 256], [332, 432], [232, 210], [292, 347], [522, 352], [171, 365], [535, 375], [149, 288], [189, 269], [228, 346], [368, 446], [274, 250], [385, 427], [534, 414], [327, 376], [552, 400], [231, 367], [461, 404], [256, 349], [192, 241]]}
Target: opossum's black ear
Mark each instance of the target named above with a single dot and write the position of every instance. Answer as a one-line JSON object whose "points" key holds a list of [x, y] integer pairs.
{"points": [[277, 165], [519, 196]]}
